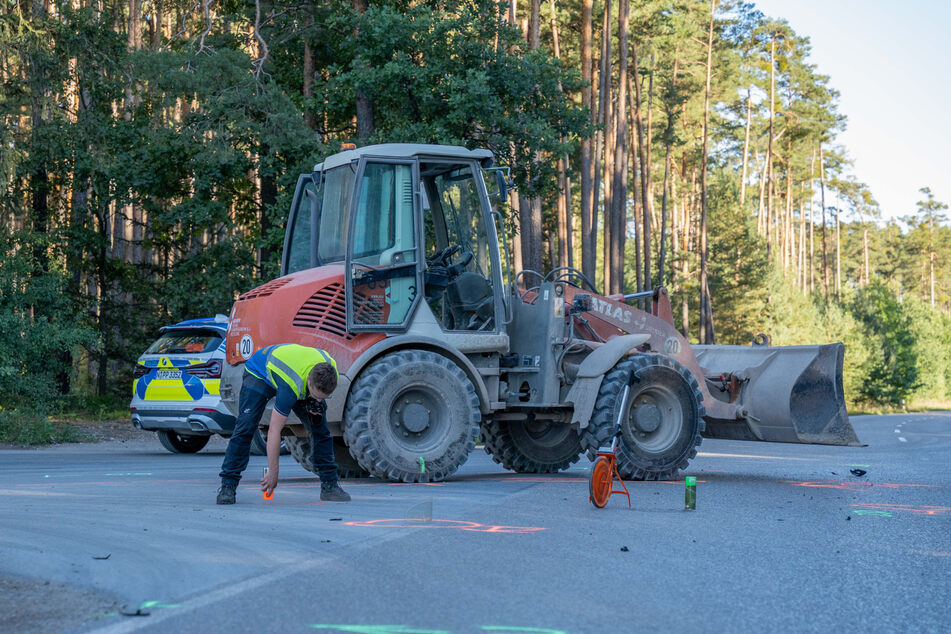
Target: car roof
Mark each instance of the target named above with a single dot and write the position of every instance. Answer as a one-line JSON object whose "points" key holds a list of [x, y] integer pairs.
{"points": [[218, 322]]}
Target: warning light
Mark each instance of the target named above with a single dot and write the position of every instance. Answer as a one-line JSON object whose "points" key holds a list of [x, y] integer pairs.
{"points": [[348, 146]]}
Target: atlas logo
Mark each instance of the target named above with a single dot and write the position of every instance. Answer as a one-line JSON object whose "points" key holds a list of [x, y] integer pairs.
{"points": [[613, 311]]}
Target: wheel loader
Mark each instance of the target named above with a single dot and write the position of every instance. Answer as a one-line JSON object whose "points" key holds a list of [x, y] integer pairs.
{"points": [[394, 262]]}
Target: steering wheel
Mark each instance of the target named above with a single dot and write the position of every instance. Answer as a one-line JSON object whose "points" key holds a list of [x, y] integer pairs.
{"points": [[442, 258], [459, 267]]}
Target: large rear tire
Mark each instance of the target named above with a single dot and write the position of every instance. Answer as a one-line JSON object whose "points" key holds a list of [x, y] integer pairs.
{"points": [[412, 416], [531, 446], [347, 467], [181, 443], [660, 429]]}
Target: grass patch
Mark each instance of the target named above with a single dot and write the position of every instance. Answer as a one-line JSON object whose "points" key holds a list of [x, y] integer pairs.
{"points": [[923, 405], [21, 428], [81, 407]]}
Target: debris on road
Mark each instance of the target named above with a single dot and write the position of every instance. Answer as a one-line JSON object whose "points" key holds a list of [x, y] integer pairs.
{"points": [[102, 558], [127, 611], [858, 473]]}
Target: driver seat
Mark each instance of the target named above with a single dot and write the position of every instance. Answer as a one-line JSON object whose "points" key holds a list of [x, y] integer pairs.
{"points": [[471, 301]]}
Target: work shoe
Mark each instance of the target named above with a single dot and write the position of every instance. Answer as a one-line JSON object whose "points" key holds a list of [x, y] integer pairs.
{"points": [[226, 494], [331, 492]]}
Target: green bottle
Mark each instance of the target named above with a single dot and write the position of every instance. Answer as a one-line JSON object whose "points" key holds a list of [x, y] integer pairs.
{"points": [[690, 493]]}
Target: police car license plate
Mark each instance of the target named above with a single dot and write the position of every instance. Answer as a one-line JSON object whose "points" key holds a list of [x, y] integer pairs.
{"points": [[170, 375]]}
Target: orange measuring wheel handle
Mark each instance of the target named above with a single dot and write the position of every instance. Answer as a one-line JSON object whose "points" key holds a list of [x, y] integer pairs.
{"points": [[601, 484]]}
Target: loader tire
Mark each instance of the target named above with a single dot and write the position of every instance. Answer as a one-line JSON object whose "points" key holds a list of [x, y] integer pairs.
{"points": [[531, 446], [181, 443], [407, 406], [347, 467], [661, 430]]}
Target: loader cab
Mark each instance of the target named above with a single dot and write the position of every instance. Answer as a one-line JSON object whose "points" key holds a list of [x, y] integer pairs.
{"points": [[413, 228]]}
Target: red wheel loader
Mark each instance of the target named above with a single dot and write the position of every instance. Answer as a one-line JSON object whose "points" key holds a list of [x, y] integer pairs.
{"points": [[394, 263]]}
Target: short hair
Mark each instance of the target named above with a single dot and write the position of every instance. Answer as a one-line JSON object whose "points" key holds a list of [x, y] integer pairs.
{"points": [[322, 378]]}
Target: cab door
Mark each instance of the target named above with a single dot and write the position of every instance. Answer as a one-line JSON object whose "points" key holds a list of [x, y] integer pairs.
{"points": [[383, 272]]}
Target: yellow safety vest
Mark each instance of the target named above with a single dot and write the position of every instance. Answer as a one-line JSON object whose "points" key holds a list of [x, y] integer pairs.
{"points": [[292, 363]]}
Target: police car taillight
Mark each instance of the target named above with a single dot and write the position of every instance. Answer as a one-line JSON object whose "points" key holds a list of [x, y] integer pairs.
{"points": [[139, 371], [210, 370]]}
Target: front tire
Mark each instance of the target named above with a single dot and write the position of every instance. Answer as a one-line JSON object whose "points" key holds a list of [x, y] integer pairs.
{"points": [[662, 421], [181, 443], [531, 446], [412, 416]]}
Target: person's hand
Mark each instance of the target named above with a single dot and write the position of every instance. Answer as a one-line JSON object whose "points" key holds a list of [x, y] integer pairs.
{"points": [[269, 481]]}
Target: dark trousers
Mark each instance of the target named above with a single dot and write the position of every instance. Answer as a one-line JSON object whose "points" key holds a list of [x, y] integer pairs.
{"points": [[255, 395]]}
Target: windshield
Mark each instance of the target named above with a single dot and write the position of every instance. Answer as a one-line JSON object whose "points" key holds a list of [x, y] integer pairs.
{"points": [[334, 215], [186, 341]]}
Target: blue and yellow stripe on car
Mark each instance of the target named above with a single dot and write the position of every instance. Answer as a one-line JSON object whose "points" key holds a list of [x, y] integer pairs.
{"points": [[166, 380]]}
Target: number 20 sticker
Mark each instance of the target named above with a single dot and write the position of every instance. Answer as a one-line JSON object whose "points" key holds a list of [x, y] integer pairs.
{"points": [[247, 346]]}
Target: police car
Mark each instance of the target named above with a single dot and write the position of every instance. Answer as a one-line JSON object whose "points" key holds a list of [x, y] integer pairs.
{"points": [[175, 387]]}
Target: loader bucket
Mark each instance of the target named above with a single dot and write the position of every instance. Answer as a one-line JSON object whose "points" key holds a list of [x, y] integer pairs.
{"points": [[787, 393]]}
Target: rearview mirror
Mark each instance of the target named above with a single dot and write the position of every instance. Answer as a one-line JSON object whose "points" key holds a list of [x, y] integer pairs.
{"points": [[502, 185]]}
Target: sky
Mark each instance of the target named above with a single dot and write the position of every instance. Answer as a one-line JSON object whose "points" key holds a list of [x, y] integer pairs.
{"points": [[891, 62]]}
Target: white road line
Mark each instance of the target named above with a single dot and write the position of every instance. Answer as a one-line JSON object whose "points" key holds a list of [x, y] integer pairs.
{"points": [[234, 589], [902, 438]]}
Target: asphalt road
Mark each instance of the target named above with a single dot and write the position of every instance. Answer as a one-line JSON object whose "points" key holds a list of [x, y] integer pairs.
{"points": [[784, 537]]}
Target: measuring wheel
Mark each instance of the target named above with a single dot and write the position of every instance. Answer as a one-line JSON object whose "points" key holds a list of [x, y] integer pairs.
{"points": [[601, 485]]}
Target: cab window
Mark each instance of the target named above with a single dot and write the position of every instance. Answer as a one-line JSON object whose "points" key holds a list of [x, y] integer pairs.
{"points": [[299, 248], [334, 214]]}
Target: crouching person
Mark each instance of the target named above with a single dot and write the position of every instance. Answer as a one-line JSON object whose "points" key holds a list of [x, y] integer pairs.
{"points": [[299, 378]]}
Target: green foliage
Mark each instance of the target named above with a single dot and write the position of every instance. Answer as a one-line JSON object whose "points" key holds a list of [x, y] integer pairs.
{"points": [[891, 370], [932, 350], [38, 329], [738, 265], [25, 427]]}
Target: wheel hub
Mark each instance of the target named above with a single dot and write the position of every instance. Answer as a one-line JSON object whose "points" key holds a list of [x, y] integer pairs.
{"points": [[415, 417], [647, 417]]}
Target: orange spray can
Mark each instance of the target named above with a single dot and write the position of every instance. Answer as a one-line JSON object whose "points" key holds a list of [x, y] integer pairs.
{"points": [[268, 495]]}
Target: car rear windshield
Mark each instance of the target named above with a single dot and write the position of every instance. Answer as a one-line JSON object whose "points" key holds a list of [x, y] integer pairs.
{"points": [[185, 341]]}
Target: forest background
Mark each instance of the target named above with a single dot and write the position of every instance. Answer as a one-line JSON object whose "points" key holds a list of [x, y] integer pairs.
{"points": [[150, 149]]}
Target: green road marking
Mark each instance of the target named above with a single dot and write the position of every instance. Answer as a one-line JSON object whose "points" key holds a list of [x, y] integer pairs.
{"points": [[867, 512], [503, 628], [859, 465], [158, 604]]}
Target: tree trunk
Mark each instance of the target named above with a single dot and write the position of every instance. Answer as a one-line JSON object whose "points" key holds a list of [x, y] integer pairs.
{"points": [[822, 200], [644, 160], [604, 102], [563, 205], [619, 186], [812, 224], [769, 150], [865, 253], [746, 145], [364, 102], [534, 25], [838, 252], [706, 302], [587, 198], [307, 90]]}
